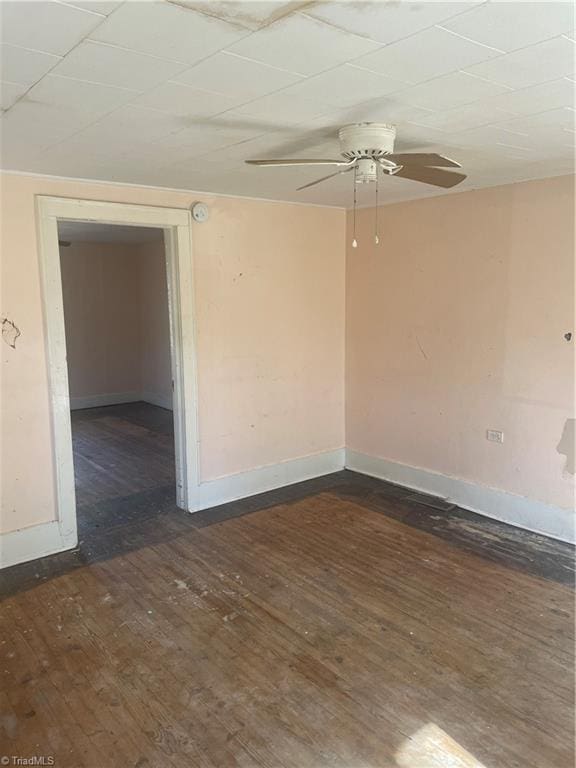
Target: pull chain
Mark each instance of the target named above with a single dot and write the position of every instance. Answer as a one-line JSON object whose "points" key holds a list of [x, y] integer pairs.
{"points": [[354, 241], [376, 238]]}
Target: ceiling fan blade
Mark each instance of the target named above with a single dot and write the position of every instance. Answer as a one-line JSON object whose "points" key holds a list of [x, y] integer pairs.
{"points": [[312, 183], [299, 162], [423, 158], [434, 176]]}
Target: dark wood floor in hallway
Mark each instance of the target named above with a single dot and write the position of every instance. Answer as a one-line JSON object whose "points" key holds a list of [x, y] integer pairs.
{"points": [[333, 624], [120, 450]]}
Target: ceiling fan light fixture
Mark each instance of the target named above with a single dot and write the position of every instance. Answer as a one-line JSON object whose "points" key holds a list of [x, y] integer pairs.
{"points": [[366, 171]]}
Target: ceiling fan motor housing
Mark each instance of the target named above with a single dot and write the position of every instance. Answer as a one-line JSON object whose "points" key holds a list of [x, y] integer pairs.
{"points": [[366, 140]]}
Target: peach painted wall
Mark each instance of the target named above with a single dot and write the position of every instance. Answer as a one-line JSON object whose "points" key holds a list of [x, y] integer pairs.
{"points": [[155, 363], [455, 324], [270, 335], [117, 321], [102, 305]]}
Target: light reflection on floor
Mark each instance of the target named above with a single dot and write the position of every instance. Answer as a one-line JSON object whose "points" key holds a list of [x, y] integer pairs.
{"points": [[431, 747]]}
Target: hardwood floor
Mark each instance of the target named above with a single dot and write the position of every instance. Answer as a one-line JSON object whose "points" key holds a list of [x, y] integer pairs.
{"points": [[120, 450], [336, 623]]}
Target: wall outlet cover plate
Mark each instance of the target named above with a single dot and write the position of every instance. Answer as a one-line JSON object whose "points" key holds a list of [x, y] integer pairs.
{"points": [[494, 435]]}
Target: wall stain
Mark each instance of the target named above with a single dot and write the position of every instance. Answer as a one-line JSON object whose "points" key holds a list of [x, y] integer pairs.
{"points": [[566, 445], [10, 332], [239, 15]]}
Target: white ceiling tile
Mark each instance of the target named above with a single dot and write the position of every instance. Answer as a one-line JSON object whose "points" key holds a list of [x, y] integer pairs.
{"points": [[20, 65], [492, 136], [411, 137], [282, 108], [45, 26], [130, 125], [109, 65], [426, 55], [537, 98], [167, 31], [10, 93], [553, 129], [386, 22], [491, 163], [236, 76], [272, 144], [64, 157], [295, 141], [236, 127], [93, 99], [212, 162], [327, 148], [62, 161], [302, 45], [184, 100], [193, 142], [462, 118], [552, 118], [346, 86], [192, 175], [39, 125], [536, 64], [450, 91], [511, 25], [104, 7], [100, 147], [323, 125], [82, 118], [220, 131], [384, 110]]}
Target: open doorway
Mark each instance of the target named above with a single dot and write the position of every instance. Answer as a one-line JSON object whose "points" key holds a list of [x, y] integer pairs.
{"points": [[139, 391], [117, 324]]}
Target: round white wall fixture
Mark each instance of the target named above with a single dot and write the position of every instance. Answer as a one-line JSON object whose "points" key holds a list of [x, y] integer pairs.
{"points": [[200, 212]]}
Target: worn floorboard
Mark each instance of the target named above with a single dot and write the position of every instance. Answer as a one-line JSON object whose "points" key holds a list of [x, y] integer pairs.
{"points": [[334, 623]]}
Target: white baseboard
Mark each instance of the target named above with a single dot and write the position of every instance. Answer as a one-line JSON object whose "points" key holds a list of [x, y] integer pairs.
{"points": [[98, 401], [47, 539], [233, 487], [117, 398], [532, 515], [34, 542], [160, 399]]}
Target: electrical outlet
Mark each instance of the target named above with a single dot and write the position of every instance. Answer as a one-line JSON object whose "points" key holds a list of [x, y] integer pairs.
{"points": [[494, 435]]}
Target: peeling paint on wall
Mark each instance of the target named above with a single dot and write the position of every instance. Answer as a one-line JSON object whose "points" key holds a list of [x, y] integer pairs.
{"points": [[10, 332], [566, 445]]}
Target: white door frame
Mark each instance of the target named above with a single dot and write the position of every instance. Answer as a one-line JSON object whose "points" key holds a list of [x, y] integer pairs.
{"points": [[176, 224]]}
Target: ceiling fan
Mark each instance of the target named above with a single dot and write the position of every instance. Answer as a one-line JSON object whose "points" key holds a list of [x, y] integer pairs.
{"points": [[366, 147]]}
